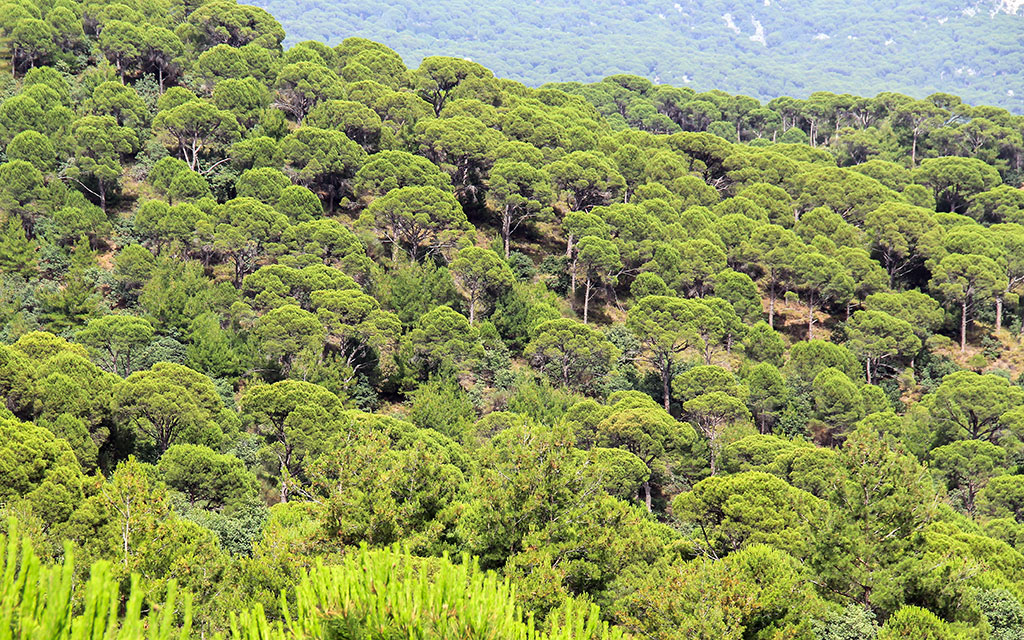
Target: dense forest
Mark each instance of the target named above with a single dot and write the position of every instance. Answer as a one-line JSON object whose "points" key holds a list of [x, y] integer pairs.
{"points": [[762, 48], [304, 343]]}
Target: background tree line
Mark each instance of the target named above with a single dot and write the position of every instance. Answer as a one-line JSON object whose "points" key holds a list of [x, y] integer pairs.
{"points": [[759, 49]]}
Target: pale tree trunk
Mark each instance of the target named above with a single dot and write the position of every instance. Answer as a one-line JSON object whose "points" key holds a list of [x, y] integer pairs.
{"points": [[647, 494], [999, 313], [665, 374], [810, 317], [572, 265], [472, 308], [126, 531], [771, 306], [586, 300], [963, 327], [572, 280]]}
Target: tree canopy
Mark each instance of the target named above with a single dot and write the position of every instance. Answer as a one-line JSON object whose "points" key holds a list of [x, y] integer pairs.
{"points": [[599, 360]]}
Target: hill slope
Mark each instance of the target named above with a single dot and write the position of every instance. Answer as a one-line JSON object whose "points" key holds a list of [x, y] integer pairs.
{"points": [[764, 48]]}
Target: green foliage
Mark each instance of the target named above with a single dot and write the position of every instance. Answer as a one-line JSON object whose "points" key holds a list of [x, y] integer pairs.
{"points": [[205, 217], [205, 477], [39, 470], [750, 508], [571, 353], [38, 599], [171, 403], [442, 405]]}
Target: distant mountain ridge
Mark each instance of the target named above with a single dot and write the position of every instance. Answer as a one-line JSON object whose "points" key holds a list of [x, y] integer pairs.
{"points": [[763, 48]]}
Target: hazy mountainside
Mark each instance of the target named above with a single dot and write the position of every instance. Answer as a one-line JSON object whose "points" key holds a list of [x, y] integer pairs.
{"points": [[763, 48]]}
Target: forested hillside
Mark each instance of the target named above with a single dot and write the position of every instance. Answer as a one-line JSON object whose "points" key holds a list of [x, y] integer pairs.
{"points": [[305, 343], [762, 48]]}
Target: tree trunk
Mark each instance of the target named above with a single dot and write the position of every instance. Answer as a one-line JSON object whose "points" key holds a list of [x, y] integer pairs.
{"points": [[913, 151], [103, 196], [647, 494], [972, 492], [771, 305], [665, 375], [963, 327], [714, 451], [867, 363], [126, 532], [572, 278], [586, 300], [999, 313], [810, 317], [472, 308], [506, 233], [285, 461]]}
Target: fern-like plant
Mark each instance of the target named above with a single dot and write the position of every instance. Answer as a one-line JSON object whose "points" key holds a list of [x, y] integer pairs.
{"points": [[382, 594]]}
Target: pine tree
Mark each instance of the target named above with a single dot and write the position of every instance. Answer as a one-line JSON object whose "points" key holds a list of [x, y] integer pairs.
{"points": [[17, 251]]}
